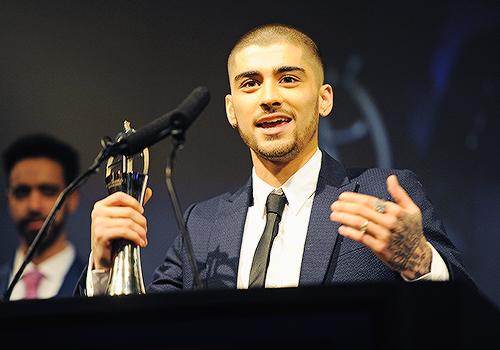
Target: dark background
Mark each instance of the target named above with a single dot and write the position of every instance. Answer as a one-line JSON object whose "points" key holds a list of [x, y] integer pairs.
{"points": [[416, 87]]}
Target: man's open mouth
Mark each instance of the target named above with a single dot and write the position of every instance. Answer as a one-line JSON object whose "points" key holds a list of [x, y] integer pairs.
{"points": [[272, 123]]}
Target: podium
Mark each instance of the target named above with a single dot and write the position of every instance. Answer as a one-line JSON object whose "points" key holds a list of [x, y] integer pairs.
{"points": [[434, 315]]}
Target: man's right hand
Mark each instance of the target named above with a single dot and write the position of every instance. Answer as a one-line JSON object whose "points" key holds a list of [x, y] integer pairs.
{"points": [[117, 216]]}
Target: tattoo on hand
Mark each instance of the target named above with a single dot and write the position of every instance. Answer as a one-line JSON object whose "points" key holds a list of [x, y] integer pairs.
{"points": [[408, 248]]}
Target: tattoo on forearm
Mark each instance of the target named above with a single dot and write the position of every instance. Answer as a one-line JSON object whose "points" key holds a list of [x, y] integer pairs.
{"points": [[408, 248]]}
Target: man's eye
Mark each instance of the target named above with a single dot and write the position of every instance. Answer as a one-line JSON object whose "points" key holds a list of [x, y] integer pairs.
{"points": [[21, 192], [288, 79], [249, 84], [50, 191]]}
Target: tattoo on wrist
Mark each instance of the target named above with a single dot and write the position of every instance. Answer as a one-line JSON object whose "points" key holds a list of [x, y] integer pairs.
{"points": [[408, 248]]}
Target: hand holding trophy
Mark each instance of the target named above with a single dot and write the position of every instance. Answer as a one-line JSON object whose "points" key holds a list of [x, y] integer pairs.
{"points": [[128, 174]]}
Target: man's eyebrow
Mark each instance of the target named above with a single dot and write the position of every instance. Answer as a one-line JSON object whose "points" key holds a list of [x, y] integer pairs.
{"points": [[288, 69], [278, 70], [246, 75]]}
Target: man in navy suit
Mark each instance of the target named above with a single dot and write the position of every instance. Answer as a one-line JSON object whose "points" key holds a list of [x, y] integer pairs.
{"points": [[339, 224], [38, 168]]}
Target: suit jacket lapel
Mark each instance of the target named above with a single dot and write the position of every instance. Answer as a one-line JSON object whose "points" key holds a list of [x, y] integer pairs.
{"points": [[322, 232]]}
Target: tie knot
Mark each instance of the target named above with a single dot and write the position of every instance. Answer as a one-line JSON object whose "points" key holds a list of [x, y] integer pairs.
{"points": [[276, 201]]}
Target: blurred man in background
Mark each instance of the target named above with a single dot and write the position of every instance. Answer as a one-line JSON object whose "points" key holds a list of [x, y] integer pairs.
{"points": [[38, 168]]}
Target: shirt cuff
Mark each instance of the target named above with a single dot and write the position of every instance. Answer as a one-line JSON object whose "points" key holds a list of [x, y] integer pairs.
{"points": [[439, 270], [97, 280]]}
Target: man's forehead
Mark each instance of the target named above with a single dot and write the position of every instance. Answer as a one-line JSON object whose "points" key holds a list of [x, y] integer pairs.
{"points": [[269, 56], [37, 168]]}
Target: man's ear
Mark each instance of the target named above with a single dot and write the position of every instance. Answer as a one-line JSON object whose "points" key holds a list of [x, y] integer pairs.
{"points": [[325, 100], [230, 111], [73, 201]]}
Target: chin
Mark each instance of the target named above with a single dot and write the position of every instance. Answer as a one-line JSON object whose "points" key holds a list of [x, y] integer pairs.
{"points": [[278, 154]]}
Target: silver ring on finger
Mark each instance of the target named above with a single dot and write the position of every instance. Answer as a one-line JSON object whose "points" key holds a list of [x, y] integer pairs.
{"points": [[379, 206], [364, 227]]}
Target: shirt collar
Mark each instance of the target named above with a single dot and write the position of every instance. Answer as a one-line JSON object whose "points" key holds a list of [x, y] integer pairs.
{"points": [[298, 188], [51, 267]]}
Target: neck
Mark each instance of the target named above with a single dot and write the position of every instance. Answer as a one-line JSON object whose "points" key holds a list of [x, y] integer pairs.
{"points": [[276, 173], [59, 245]]}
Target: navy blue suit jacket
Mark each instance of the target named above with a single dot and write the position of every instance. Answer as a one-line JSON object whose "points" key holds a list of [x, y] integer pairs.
{"points": [[67, 288], [216, 228]]}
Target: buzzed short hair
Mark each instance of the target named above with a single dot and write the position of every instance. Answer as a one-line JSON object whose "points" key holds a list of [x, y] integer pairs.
{"points": [[42, 146], [269, 34]]}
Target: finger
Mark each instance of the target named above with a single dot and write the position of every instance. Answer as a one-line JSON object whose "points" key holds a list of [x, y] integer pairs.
{"points": [[359, 198], [122, 228], [366, 238], [121, 199], [362, 224], [399, 194], [366, 210], [366, 200], [355, 221], [119, 212], [148, 195]]}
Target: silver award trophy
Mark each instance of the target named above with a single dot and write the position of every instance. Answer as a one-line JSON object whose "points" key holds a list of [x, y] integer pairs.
{"points": [[129, 175]]}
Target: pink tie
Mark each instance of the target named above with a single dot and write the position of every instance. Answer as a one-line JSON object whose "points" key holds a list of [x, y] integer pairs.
{"points": [[32, 281]]}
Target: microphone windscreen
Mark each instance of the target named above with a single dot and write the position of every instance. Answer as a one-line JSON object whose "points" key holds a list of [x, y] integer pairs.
{"points": [[192, 105], [180, 118]]}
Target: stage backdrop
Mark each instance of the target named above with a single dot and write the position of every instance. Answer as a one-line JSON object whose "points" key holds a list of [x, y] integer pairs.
{"points": [[416, 86]]}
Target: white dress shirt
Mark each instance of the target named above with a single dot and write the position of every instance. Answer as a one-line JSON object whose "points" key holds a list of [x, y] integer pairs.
{"points": [[54, 270], [288, 247]]}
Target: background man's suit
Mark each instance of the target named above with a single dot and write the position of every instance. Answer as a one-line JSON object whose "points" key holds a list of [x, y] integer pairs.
{"points": [[216, 228], [67, 287]]}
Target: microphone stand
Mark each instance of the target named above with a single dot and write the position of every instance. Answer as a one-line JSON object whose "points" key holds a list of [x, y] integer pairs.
{"points": [[105, 153], [178, 140]]}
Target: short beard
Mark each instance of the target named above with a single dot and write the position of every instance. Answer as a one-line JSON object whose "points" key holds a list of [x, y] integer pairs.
{"points": [[281, 152], [278, 154], [51, 236]]}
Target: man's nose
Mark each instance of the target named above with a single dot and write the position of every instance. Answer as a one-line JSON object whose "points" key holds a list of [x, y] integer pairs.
{"points": [[35, 200], [270, 97]]}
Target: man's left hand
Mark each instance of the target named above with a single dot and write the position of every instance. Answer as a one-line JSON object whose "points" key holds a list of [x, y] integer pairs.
{"points": [[392, 230]]}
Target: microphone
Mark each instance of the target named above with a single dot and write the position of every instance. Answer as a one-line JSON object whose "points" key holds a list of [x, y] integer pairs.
{"points": [[179, 119]]}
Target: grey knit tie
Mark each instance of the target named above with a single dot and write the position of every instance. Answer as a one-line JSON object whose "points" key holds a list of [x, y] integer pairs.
{"points": [[274, 208]]}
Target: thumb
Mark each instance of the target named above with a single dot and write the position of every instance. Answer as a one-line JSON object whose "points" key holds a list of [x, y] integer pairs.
{"points": [[148, 195], [399, 194]]}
